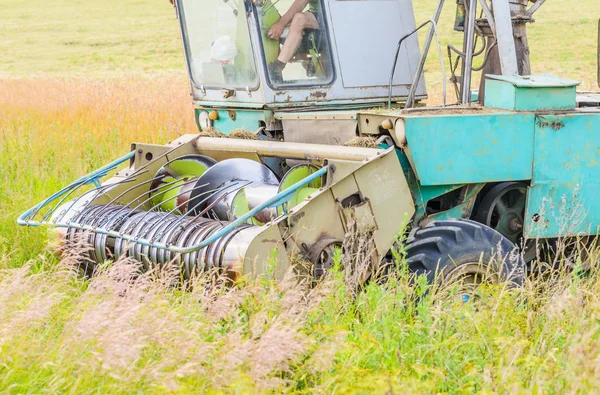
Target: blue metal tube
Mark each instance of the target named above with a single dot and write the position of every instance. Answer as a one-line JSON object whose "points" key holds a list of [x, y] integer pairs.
{"points": [[23, 221], [276, 200]]}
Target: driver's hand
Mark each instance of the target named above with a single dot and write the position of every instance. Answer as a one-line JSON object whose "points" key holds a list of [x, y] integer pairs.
{"points": [[275, 31]]}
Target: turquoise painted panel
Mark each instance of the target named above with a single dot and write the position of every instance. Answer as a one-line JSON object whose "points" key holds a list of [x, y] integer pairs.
{"points": [[530, 93], [423, 194], [468, 149], [564, 198], [244, 119], [537, 99], [499, 94], [535, 81]]}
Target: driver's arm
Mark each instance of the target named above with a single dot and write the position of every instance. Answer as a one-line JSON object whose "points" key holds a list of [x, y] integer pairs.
{"points": [[277, 29]]}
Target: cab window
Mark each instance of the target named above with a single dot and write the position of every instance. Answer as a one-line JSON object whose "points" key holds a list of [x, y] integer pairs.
{"points": [[295, 42], [217, 43]]}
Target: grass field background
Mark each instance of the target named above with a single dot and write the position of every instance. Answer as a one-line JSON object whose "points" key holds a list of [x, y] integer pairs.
{"points": [[113, 38], [79, 81]]}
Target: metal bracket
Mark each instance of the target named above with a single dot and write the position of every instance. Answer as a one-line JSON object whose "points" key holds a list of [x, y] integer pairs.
{"points": [[504, 35], [535, 7]]}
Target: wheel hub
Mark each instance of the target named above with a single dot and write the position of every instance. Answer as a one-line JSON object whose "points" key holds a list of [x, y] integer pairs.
{"points": [[503, 209]]}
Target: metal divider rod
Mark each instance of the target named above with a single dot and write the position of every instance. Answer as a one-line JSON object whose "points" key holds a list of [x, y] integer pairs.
{"points": [[468, 50], [410, 101]]}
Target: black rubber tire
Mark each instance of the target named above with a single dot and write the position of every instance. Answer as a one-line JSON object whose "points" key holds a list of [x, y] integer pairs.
{"points": [[441, 247]]}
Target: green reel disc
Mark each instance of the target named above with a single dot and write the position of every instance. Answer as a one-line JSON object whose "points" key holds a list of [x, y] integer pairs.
{"points": [[295, 175], [173, 184]]}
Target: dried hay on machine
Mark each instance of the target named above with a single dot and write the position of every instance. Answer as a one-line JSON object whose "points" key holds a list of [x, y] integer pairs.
{"points": [[362, 142], [243, 135], [211, 132]]}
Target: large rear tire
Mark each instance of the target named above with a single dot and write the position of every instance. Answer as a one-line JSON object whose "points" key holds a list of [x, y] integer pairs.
{"points": [[463, 250]]}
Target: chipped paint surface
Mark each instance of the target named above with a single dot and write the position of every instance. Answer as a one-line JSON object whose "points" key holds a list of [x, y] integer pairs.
{"points": [[229, 120], [318, 94], [563, 198], [463, 209], [554, 125]]}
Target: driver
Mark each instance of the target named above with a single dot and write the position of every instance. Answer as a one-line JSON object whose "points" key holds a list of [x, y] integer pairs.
{"points": [[298, 20], [224, 51]]}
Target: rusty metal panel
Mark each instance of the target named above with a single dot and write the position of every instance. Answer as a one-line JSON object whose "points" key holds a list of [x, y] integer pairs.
{"points": [[363, 215], [383, 205], [329, 132], [370, 122], [346, 189], [313, 220], [341, 169]]}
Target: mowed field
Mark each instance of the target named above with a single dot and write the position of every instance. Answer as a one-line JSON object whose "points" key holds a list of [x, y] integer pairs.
{"points": [[79, 81]]}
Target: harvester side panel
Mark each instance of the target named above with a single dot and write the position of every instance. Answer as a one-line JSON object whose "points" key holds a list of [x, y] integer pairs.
{"points": [[563, 198], [466, 149], [375, 194]]}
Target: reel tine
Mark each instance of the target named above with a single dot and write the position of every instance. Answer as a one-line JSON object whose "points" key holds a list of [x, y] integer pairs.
{"points": [[168, 237], [100, 218], [195, 262], [169, 229], [86, 181], [90, 192], [182, 240], [166, 211], [128, 225], [148, 199], [128, 179], [129, 190], [221, 245], [162, 222], [114, 223]]}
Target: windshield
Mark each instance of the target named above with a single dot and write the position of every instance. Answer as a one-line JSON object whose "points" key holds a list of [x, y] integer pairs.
{"points": [[217, 42]]}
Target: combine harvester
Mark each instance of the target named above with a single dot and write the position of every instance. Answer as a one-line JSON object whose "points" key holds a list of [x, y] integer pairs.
{"points": [[513, 161]]}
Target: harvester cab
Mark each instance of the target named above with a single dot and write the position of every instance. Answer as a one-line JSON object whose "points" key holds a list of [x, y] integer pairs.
{"points": [[336, 153], [342, 60]]}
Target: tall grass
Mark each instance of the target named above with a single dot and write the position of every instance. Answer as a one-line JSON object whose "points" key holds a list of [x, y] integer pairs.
{"points": [[53, 131], [121, 332]]}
